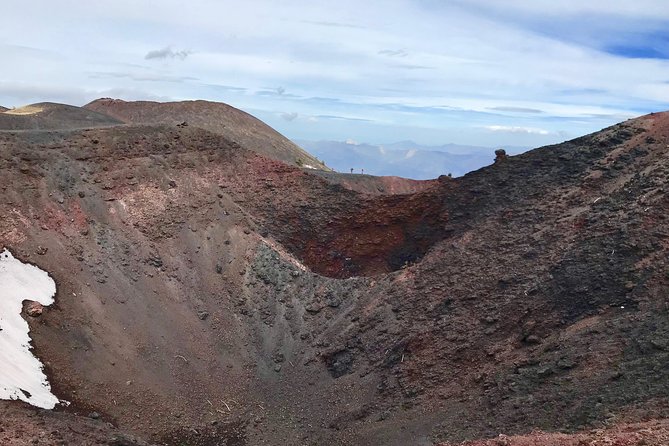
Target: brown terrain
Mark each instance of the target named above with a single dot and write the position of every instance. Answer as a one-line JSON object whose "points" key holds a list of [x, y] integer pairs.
{"points": [[222, 119], [211, 294]]}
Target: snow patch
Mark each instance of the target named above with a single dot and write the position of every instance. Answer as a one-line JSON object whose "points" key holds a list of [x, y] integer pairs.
{"points": [[309, 166], [21, 373]]}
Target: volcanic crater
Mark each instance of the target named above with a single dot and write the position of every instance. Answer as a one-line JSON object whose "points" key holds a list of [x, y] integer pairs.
{"points": [[212, 291]]}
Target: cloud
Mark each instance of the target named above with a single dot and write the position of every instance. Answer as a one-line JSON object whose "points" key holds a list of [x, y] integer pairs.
{"points": [[394, 53], [289, 116], [277, 92], [167, 53], [413, 67], [154, 77], [515, 129], [343, 118], [515, 109], [225, 88], [331, 24]]}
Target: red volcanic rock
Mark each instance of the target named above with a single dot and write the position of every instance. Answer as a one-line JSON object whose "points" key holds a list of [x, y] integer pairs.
{"points": [[34, 309]]}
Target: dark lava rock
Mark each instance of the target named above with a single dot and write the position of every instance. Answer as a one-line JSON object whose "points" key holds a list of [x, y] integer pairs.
{"points": [[155, 261], [339, 363]]}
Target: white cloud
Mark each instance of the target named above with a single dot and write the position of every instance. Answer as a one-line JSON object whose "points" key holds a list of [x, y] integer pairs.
{"points": [[289, 116], [167, 53], [514, 129]]}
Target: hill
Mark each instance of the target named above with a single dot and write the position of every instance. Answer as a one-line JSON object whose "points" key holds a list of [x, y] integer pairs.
{"points": [[51, 116], [216, 117], [2, 109], [210, 294]]}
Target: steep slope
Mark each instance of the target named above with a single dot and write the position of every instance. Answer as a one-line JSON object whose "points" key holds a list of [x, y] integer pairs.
{"points": [[216, 117], [208, 294], [51, 116]]}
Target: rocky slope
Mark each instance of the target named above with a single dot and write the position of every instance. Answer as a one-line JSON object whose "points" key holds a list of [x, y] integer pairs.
{"points": [[219, 118], [208, 294], [638, 434]]}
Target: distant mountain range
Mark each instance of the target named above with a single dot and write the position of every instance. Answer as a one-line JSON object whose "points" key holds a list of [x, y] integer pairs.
{"points": [[405, 159]]}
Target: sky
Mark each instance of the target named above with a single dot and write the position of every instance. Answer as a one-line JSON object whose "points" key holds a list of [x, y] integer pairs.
{"points": [[477, 72]]}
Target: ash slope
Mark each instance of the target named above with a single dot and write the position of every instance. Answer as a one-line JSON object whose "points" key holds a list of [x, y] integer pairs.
{"points": [[238, 126], [205, 288]]}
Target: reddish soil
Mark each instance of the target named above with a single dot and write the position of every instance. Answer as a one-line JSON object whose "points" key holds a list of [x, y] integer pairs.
{"points": [[208, 294]]}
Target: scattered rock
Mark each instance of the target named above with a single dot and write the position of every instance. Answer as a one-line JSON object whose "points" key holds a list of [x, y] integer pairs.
{"points": [[34, 309], [155, 260], [533, 340]]}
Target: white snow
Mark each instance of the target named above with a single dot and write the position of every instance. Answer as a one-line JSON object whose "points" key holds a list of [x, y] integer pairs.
{"points": [[21, 374]]}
